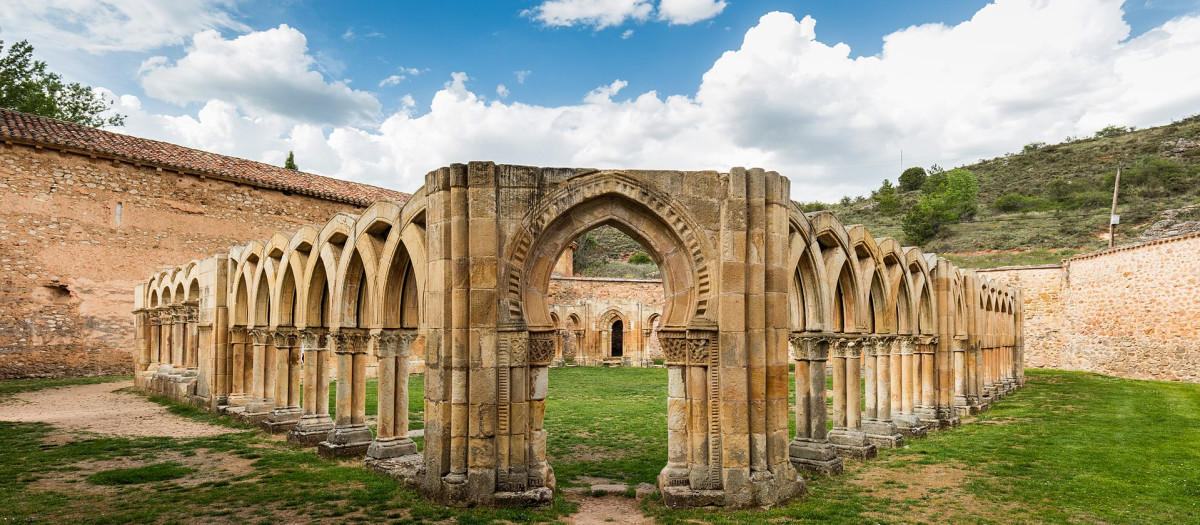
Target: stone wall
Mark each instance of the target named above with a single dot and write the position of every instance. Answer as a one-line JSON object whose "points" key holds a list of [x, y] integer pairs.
{"points": [[1131, 311], [77, 233], [589, 299], [1044, 324]]}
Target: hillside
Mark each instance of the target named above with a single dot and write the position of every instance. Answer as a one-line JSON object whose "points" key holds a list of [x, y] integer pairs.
{"points": [[1052, 201]]}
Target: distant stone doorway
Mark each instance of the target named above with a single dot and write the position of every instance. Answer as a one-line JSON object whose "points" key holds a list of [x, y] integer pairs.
{"points": [[618, 336]]}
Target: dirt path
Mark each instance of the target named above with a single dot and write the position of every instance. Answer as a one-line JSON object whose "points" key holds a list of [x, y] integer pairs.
{"points": [[98, 408], [606, 509]]}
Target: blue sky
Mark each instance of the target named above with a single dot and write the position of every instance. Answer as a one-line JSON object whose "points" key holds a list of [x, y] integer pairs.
{"points": [[827, 93]]}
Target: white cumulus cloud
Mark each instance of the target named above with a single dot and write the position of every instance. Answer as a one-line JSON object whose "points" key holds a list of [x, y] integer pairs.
{"points": [[264, 72], [595, 13], [1018, 71], [101, 26], [685, 12]]}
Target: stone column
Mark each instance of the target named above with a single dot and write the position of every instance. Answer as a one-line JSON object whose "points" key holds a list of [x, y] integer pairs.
{"points": [[314, 425], [907, 421], [350, 436], [881, 431], [178, 327], [141, 322], [811, 450], [847, 436], [560, 336], [392, 348], [926, 402], [154, 318], [287, 412], [260, 401], [192, 351], [237, 373], [961, 378]]}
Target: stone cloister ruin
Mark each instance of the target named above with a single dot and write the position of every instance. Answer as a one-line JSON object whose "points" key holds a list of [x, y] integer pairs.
{"points": [[454, 282]]}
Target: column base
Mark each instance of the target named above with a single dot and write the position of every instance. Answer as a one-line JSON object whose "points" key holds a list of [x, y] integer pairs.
{"points": [[346, 442], [813, 456], [310, 430], [406, 469], [388, 448], [740, 488], [911, 426], [852, 444], [882, 434], [282, 419]]}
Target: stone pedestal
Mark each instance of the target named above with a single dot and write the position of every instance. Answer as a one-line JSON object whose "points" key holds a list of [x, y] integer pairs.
{"points": [[282, 419], [310, 430], [346, 442], [815, 456], [852, 444], [882, 434]]}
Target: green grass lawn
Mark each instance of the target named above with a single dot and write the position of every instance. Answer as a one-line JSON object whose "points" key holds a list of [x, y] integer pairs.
{"points": [[1070, 447]]}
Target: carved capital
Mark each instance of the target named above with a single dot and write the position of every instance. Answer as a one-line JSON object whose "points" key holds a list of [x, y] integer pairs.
{"points": [[261, 336], [687, 347], [541, 348], [284, 338], [394, 342], [808, 347], [350, 341], [312, 339]]}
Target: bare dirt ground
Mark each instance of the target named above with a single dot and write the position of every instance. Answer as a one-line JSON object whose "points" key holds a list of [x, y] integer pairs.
{"points": [[99, 408], [606, 509]]}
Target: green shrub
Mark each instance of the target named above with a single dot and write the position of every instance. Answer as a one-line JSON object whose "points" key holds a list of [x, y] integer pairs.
{"points": [[640, 258], [1032, 147], [1015, 202]]}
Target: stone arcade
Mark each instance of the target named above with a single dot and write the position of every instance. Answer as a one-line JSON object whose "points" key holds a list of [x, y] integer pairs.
{"points": [[458, 274]]}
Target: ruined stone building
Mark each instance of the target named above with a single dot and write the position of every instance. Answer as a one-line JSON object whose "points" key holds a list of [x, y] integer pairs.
{"points": [[456, 281], [88, 213]]}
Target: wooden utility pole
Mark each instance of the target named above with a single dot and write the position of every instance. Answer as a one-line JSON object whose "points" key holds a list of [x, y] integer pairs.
{"points": [[1113, 219]]}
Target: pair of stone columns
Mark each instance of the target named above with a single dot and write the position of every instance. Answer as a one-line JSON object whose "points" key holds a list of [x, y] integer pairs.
{"points": [[314, 424], [350, 435], [847, 437], [393, 347], [261, 363], [810, 449], [287, 411], [883, 381]]}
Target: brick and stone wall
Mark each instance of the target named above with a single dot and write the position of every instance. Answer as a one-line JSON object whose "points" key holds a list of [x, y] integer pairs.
{"points": [[78, 233], [1131, 311]]}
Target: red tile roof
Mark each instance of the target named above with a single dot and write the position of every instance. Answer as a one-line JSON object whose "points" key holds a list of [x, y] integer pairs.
{"points": [[32, 129]]}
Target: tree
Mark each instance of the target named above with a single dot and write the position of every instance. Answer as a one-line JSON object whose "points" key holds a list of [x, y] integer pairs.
{"points": [[947, 197], [26, 85], [290, 163], [889, 203], [912, 178], [1114, 131]]}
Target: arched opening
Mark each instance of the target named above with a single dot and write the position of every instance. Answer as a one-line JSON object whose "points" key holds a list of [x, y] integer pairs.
{"points": [[617, 348], [610, 335]]}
